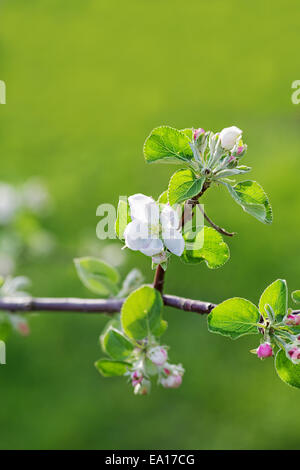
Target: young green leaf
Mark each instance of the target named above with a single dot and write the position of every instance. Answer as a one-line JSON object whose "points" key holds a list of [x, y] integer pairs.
{"points": [[110, 368], [116, 345], [207, 245], [168, 145], [163, 198], [286, 370], [141, 313], [132, 281], [189, 133], [296, 296], [5, 326], [97, 276], [239, 170], [160, 329], [123, 218], [251, 196], [184, 185], [275, 296], [234, 318]]}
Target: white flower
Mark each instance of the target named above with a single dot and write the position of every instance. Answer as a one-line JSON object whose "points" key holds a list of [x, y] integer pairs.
{"points": [[158, 355], [172, 381], [150, 229], [142, 388], [173, 378], [229, 137]]}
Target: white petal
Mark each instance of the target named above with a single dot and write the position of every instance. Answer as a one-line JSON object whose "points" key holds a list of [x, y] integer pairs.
{"points": [[136, 235], [155, 246], [144, 209], [229, 136], [174, 241], [169, 217]]}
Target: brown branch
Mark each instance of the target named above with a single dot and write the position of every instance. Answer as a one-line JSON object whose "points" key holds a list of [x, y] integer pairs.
{"points": [[95, 306], [73, 305], [159, 278]]}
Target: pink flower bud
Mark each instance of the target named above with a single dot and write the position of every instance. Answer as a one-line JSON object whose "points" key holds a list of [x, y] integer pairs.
{"points": [[294, 354], [158, 356], [293, 319], [231, 159], [240, 150], [136, 377], [172, 381], [198, 132], [264, 350]]}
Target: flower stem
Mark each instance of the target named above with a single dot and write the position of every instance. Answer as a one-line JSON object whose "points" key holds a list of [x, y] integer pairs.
{"points": [[159, 279]]}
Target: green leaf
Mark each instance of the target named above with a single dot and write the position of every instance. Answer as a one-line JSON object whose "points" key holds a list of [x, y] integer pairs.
{"points": [[239, 170], [5, 326], [296, 296], [276, 296], [234, 318], [189, 133], [141, 313], [168, 145], [116, 345], [132, 281], [214, 250], [159, 331], [111, 368], [184, 185], [123, 218], [286, 370], [97, 276], [163, 198], [251, 196], [115, 323]]}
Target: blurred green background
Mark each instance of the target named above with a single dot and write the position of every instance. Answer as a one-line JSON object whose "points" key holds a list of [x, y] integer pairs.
{"points": [[86, 82]]}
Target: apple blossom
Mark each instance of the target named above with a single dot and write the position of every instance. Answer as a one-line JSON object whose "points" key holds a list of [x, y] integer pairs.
{"points": [[152, 230], [293, 354], [158, 355], [292, 319], [136, 377], [198, 132], [172, 381], [229, 136], [264, 350], [143, 387]]}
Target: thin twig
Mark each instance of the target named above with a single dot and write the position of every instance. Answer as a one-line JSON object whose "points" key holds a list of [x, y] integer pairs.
{"points": [[216, 227]]}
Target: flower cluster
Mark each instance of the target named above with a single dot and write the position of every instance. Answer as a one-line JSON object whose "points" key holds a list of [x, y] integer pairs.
{"points": [[154, 229], [217, 155], [282, 335], [154, 362]]}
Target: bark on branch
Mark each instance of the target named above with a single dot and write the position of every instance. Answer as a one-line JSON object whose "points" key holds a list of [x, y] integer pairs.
{"points": [[73, 305], [97, 306]]}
